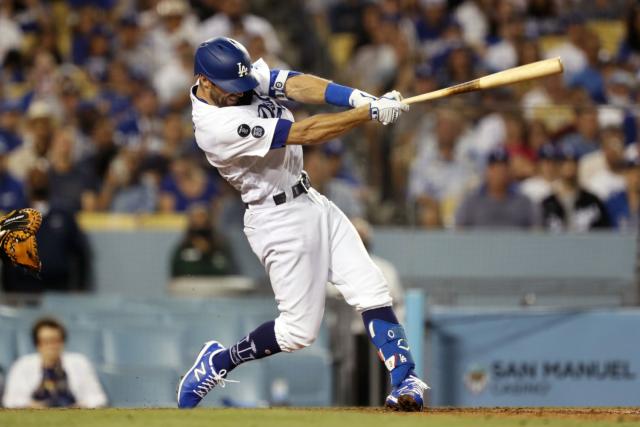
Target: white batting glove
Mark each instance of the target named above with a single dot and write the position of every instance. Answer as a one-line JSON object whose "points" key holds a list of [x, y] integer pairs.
{"points": [[394, 94], [388, 108], [359, 98]]}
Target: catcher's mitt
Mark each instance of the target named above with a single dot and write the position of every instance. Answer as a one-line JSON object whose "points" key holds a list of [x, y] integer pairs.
{"points": [[18, 238]]}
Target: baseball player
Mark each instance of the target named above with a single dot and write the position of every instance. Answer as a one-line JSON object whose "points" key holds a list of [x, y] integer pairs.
{"points": [[302, 239]]}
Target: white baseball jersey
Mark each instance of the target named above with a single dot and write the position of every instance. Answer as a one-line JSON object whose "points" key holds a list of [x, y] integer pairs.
{"points": [[246, 143]]}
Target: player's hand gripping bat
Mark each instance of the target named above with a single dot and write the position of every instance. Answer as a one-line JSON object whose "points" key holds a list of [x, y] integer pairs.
{"points": [[522, 73]]}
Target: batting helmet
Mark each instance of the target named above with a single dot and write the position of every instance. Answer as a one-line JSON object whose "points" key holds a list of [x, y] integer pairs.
{"points": [[226, 63]]}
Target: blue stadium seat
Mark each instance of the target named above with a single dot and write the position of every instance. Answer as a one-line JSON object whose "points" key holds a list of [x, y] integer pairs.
{"points": [[307, 373], [140, 387], [7, 348], [199, 329], [143, 346]]}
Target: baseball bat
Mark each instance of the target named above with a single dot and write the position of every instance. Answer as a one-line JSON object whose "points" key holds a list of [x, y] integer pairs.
{"points": [[522, 73]]}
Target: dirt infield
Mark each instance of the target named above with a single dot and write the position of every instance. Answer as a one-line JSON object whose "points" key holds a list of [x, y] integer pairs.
{"points": [[350, 417]]}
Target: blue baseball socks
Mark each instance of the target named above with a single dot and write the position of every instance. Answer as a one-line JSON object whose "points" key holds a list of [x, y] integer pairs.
{"points": [[258, 344], [389, 337]]}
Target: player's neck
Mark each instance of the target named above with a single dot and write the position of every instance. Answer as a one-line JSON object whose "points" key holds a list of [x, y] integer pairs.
{"points": [[201, 94]]}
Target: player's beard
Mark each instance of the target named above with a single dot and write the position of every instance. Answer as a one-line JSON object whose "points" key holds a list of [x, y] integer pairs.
{"points": [[231, 99]]}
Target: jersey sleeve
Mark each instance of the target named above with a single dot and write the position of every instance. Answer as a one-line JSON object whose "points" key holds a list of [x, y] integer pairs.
{"points": [[231, 135], [271, 82]]}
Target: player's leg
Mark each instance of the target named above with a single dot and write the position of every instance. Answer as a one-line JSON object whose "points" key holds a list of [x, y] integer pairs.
{"points": [[364, 287], [286, 239]]}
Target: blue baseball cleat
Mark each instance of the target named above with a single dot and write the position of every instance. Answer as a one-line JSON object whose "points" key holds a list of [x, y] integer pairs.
{"points": [[408, 396], [202, 377]]}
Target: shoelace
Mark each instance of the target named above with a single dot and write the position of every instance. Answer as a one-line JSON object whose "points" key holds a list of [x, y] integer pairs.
{"points": [[415, 385], [212, 380]]}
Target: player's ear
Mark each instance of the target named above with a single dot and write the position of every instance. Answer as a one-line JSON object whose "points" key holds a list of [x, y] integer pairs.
{"points": [[204, 82]]}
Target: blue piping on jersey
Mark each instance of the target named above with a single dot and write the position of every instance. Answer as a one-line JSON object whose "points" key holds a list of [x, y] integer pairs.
{"points": [[281, 133]]}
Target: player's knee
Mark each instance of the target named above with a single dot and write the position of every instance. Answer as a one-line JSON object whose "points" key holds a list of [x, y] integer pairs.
{"points": [[297, 336]]}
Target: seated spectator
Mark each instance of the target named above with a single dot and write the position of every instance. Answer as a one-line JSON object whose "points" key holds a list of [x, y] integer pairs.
{"points": [[623, 206], [62, 246], [585, 138], [517, 144], [439, 172], [129, 187], [51, 377], [10, 115], [497, 203], [186, 184], [539, 187], [340, 192], [11, 190], [570, 207], [234, 20], [203, 251], [573, 57], [72, 186], [142, 127], [620, 92], [601, 172], [40, 127]]}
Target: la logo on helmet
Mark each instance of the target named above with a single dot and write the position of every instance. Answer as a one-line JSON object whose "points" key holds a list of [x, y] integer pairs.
{"points": [[242, 70]]}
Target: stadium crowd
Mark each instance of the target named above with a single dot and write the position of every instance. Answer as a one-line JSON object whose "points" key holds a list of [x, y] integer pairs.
{"points": [[95, 112]]}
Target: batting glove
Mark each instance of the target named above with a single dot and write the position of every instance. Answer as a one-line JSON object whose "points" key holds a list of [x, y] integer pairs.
{"points": [[359, 98], [387, 109]]}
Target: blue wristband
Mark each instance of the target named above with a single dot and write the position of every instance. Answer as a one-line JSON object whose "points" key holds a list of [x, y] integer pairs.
{"points": [[337, 95]]}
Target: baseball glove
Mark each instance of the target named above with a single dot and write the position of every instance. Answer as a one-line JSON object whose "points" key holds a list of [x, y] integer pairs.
{"points": [[18, 238]]}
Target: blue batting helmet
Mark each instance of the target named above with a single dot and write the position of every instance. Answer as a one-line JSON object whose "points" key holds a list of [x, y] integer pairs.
{"points": [[226, 63]]}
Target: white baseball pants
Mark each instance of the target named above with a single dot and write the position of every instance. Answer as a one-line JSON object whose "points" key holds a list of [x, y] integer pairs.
{"points": [[304, 244]]}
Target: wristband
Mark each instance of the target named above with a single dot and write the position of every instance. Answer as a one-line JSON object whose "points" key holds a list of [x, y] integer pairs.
{"points": [[336, 94]]}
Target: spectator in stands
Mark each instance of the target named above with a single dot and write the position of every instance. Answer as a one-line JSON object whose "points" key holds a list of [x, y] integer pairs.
{"points": [[540, 186], [571, 207], [623, 206], [175, 24], [62, 246], [37, 141], [12, 34], [590, 78], [234, 20], [132, 48], [173, 80], [629, 51], [343, 194], [203, 251], [440, 172], [72, 186], [586, 137], [129, 186], [497, 204], [619, 89], [10, 115], [573, 57], [601, 171], [517, 144], [142, 125], [11, 190], [51, 377], [186, 184]]}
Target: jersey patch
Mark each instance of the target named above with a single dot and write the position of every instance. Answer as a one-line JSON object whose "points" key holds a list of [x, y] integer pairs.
{"points": [[257, 131], [244, 130]]}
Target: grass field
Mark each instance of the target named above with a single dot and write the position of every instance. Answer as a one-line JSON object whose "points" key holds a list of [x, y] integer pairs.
{"points": [[319, 417]]}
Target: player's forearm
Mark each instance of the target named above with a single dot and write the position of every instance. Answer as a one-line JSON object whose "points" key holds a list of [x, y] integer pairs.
{"points": [[306, 88], [323, 127]]}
